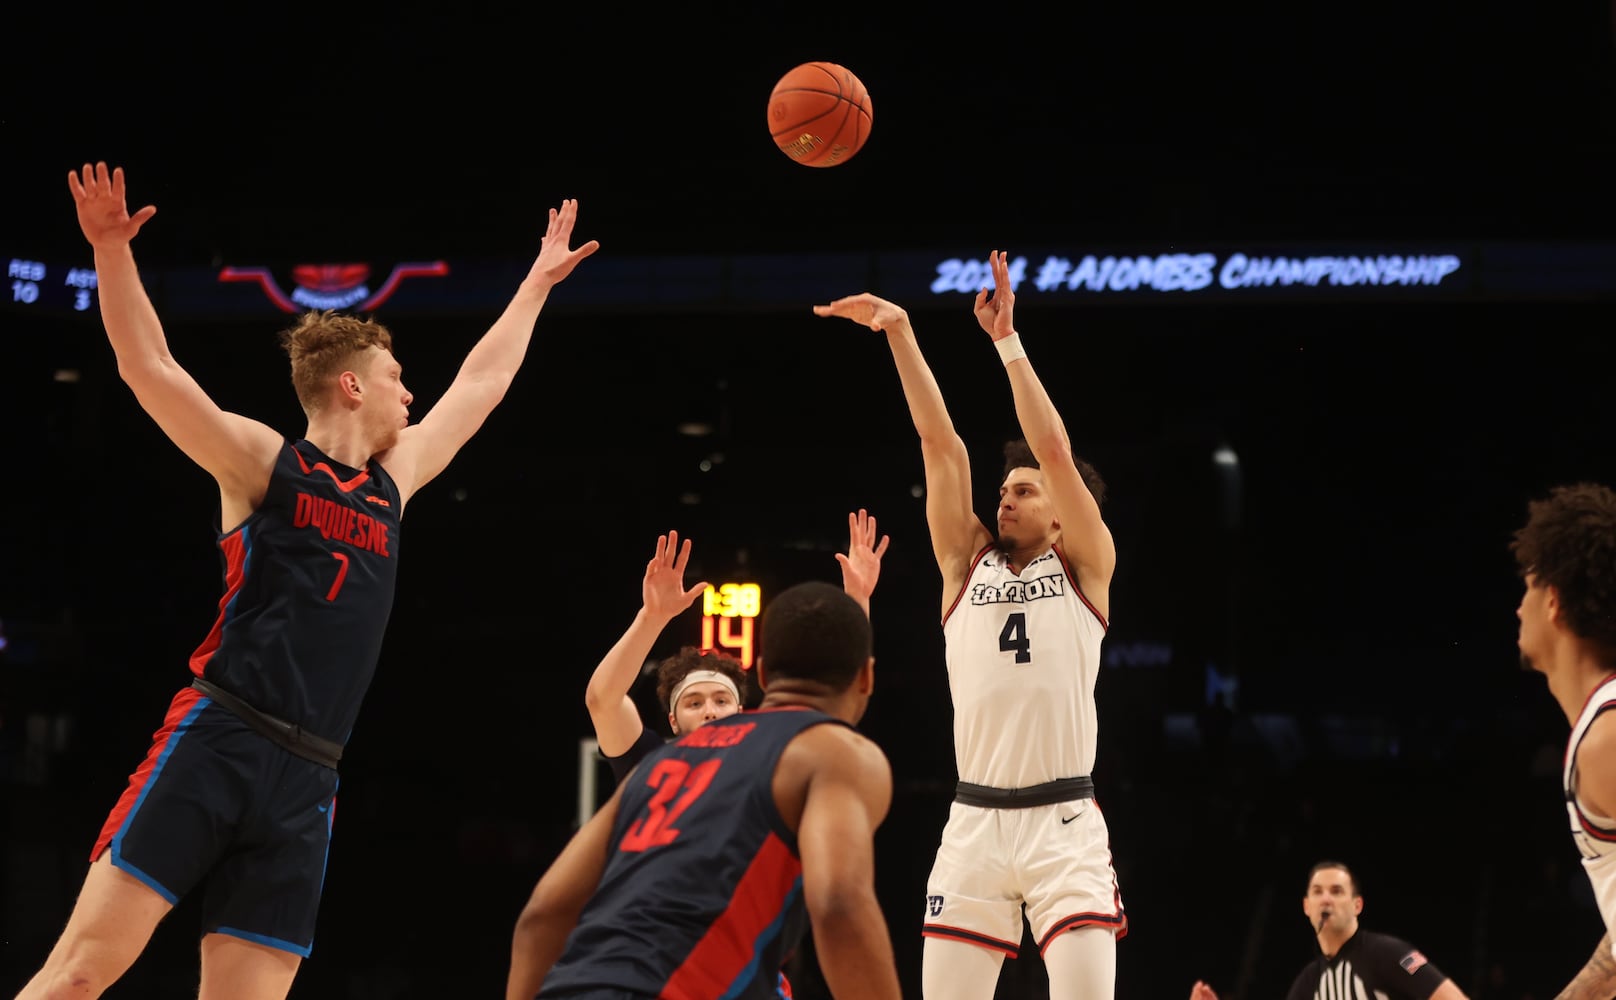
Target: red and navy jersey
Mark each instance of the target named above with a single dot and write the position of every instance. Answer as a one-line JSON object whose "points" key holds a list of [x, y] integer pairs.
{"points": [[308, 587], [702, 893]]}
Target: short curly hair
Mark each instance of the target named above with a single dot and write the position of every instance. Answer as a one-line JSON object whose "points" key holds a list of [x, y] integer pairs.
{"points": [[1569, 543], [673, 670], [321, 344], [1018, 455]]}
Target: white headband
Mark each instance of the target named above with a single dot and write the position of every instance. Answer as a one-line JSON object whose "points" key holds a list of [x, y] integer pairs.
{"points": [[697, 677]]}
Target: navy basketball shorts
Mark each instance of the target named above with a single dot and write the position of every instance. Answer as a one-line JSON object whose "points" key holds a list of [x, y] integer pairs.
{"points": [[217, 806]]}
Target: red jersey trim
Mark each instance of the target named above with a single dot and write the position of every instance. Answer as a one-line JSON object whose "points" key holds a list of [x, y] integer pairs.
{"points": [[960, 934], [234, 547], [1078, 589], [729, 948], [347, 487]]}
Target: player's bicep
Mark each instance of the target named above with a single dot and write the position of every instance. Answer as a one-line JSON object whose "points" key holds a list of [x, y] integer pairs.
{"points": [[425, 449], [617, 726], [957, 533], [237, 451], [1596, 766], [847, 798], [1086, 542]]}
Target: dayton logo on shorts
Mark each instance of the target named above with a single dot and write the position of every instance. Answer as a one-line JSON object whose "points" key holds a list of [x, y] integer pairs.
{"points": [[1412, 962], [333, 286], [934, 905], [1020, 591]]}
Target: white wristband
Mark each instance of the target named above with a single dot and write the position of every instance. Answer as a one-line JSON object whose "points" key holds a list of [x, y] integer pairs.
{"points": [[1010, 348]]}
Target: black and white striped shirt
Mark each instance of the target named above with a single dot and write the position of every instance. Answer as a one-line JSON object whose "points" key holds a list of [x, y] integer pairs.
{"points": [[1369, 966]]}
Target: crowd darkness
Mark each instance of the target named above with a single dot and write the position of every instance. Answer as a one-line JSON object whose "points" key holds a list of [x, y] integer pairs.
{"points": [[1356, 584]]}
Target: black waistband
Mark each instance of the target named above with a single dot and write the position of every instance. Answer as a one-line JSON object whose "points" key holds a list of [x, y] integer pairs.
{"points": [[289, 736], [1046, 794]]}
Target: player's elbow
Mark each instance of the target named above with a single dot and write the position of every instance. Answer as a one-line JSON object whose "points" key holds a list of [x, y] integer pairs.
{"points": [[596, 699], [840, 903], [1051, 446]]}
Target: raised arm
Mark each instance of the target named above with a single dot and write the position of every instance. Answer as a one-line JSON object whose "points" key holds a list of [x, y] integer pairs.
{"points": [[1084, 538], [425, 449], [1597, 980], [957, 533], [849, 791], [239, 453], [617, 721], [861, 566], [552, 910]]}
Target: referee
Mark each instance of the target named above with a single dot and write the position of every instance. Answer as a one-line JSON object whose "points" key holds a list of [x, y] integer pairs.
{"points": [[1353, 962]]}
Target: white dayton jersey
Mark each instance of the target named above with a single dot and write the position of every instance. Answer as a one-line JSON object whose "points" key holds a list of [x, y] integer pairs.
{"points": [[1594, 835], [1023, 652]]}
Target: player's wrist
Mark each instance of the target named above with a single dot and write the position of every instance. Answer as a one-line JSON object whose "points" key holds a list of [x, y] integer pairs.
{"points": [[1009, 348]]}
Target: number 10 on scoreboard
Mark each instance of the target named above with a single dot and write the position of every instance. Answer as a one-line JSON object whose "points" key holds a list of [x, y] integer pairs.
{"points": [[721, 607]]}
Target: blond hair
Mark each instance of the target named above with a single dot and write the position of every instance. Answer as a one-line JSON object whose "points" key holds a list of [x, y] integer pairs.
{"points": [[324, 343]]}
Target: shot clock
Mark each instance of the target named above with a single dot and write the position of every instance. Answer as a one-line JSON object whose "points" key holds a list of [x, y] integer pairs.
{"points": [[729, 619]]}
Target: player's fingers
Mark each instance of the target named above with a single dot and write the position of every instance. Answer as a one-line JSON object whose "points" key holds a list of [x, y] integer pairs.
{"points": [[881, 550], [141, 217], [694, 592], [684, 557]]}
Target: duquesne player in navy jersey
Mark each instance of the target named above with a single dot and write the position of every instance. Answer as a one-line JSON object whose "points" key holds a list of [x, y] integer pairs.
{"points": [[1566, 555], [236, 796], [696, 685], [699, 876], [1024, 613]]}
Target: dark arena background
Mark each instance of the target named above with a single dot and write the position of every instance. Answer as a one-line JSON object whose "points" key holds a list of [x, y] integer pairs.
{"points": [[1325, 292]]}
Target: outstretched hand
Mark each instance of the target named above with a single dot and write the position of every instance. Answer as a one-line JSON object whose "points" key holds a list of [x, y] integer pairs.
{"points": [[997, 314], [664, 590], [1201, 991], [861, 566], [866, 310], [103, 214], [556, 260]]}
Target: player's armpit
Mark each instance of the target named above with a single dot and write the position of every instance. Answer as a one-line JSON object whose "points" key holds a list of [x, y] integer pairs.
{"points": [[847, 795], [1596, 766], [1597, 980]]}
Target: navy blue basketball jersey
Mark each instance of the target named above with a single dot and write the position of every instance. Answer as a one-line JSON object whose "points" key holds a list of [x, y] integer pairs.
{"points": [[308, 587], [702, 893]]}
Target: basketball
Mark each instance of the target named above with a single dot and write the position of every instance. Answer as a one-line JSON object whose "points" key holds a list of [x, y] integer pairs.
{"points": [[820, 114]]}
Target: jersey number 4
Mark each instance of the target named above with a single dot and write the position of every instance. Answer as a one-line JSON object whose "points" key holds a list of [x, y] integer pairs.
{"points": [[669, 778], [1014, 637]]}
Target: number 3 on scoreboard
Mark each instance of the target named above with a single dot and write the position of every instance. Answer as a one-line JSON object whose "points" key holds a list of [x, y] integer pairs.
{"points": [[1014, 637]]}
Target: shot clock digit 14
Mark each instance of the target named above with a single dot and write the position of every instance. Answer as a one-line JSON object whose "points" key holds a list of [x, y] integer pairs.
{"points": [[35, 286], [721, 608]]}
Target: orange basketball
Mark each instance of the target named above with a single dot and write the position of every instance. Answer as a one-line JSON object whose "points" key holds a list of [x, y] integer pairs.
{"points": [[819, 114]]}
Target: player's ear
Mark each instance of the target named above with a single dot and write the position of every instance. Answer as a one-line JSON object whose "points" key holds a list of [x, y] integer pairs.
{"points": [[1357, 905], [762, 681], [347, 387], [866, 678], [673, 723]]}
